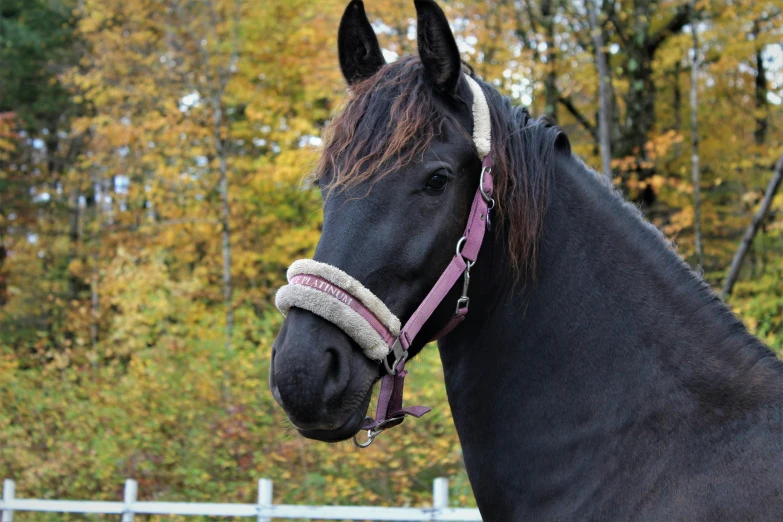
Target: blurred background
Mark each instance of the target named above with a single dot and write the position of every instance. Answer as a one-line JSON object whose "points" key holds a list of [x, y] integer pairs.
{"points": [[152, 163]]}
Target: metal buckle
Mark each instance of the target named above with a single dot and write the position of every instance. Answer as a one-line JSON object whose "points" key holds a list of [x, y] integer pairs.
{"points": [[464, 300], [466, 280], [380, 428], [400, 356], [484, 195]]}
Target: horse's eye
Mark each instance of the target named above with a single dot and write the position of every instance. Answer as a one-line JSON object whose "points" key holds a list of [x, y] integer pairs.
{"points": [[437, 183]]}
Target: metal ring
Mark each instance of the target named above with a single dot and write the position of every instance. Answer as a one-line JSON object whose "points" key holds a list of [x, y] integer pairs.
{"points": [[460, 244], [484, 195], [370, 439], [370, 436], [393, 369], [380, 428]]}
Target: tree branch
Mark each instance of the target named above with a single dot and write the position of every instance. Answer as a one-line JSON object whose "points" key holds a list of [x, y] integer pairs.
{"points": [[611, 15], [696, 172], [682, 18], [601, 62], [750, 232], [570, 107], [770, 17]]}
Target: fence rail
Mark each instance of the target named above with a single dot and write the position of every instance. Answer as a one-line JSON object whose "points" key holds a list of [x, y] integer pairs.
{"points": [[263, 511]]}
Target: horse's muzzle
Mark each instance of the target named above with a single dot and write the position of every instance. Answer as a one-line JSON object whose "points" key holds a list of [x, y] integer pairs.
{"points": [[320, 377]]}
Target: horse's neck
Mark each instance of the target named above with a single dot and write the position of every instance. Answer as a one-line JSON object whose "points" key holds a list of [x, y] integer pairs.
{"points": [[616, 352]]}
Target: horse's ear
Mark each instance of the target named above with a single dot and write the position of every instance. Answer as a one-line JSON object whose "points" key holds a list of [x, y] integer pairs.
{"points": [[360, 53], [437, 47]]}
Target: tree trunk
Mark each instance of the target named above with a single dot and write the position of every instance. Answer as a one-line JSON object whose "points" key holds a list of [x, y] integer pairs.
{"points": [[226, 232], [95, 298], [762, 104], [750, 232], [75, 283], [696, 175], [677, 107], [641, 46], [604, 116], [550, 85], [3, 255], [640, 99], [225, 210], [96, 256], [3, 283], [218, 78]]}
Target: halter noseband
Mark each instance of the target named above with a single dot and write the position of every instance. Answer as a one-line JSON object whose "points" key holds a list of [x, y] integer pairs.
{"points": [[335, 296]]}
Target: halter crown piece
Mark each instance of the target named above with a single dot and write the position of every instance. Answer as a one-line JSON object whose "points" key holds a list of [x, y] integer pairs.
{"points": [[332, 294]]}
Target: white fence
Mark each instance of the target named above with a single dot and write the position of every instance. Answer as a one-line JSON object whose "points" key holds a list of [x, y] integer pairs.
{"points": [[263, 511]]}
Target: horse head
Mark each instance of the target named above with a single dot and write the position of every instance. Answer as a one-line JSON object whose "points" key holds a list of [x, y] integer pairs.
{"points": [[398, 173]]}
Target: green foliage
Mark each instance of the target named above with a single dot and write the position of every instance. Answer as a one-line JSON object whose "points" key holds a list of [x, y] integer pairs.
{"points": [[37, 40], [759, 298], [163, 418]]}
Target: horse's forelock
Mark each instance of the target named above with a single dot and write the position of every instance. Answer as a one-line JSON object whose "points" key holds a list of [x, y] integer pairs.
{"points": [[389, 121]]}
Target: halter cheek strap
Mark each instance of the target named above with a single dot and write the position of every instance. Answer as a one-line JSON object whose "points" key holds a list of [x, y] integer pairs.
{"points": [[389, 411], [335, 296]]}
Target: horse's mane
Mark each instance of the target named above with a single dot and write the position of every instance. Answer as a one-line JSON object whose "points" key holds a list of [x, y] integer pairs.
{"points": [[390, 120], [523, 150]]}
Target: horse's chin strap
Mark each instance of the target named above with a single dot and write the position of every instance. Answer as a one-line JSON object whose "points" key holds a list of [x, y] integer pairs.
{"points": [[389, 412]]}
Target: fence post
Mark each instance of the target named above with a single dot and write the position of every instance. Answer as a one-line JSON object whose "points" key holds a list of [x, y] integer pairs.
{"points": [[440, 495], [129, 498], [9, 490], [265, 490]]}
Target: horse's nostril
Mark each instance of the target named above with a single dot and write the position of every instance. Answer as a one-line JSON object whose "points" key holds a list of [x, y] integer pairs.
{"points": [[337, 376], [333, 368]]}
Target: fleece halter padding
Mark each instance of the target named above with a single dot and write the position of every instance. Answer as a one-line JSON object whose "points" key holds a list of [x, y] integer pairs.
{"points": [[482, 124], [330, 293]]}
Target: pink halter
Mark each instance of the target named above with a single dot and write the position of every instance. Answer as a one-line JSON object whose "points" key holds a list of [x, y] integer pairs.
{"points": [[389, 411], [339, 298]]}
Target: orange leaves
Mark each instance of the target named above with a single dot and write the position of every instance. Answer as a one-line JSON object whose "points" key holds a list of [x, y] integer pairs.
{"points": [[659, 146], [7, 133]]}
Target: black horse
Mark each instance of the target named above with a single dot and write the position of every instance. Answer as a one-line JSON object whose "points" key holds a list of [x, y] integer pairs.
{"points": [[596, 376]]}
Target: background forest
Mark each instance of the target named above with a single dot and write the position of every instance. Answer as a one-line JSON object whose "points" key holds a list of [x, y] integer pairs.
{"points": [[152, 157]]}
